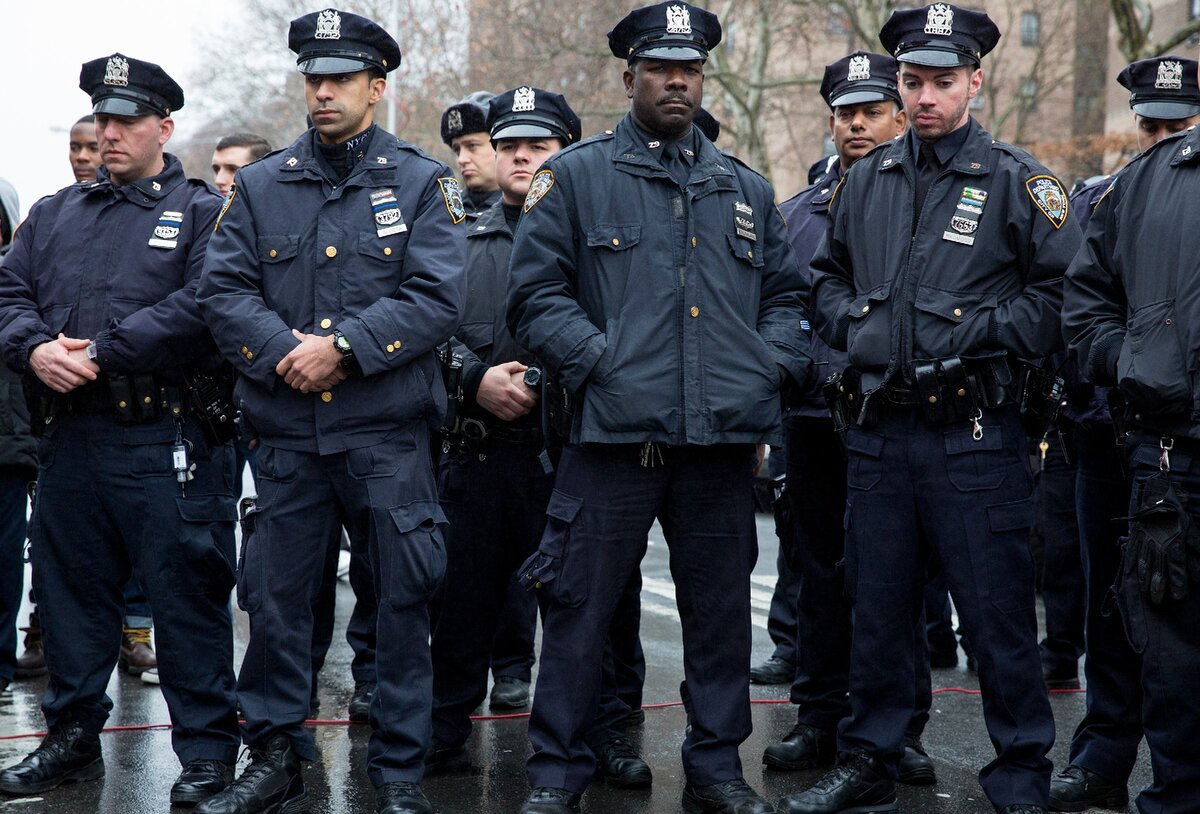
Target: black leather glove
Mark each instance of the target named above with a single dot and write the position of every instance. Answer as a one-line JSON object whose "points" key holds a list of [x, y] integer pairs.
{"points": [[1159, 537]]}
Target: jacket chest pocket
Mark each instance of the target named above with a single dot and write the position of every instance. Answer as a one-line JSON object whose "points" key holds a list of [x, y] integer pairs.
{"points": [[387, 250], [276, 249], [611, 245], [939, 313], [869, 333]]}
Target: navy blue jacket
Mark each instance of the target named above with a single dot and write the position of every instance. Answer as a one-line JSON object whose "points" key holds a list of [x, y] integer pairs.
{"points": [[118, 265], [807, 216], [292, 250], [1083, 401], [671, 312], [1132, 307], [890, 297]]}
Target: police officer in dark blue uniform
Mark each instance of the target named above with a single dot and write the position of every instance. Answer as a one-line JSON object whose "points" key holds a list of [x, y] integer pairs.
{"points": [[865, 111], [97, 309], [942, 265], [464, 131], [673, 342], [1165, 99], [332, 276], [493, 478]]}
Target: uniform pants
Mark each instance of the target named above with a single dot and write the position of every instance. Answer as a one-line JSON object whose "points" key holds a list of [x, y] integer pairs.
{"points": [[495, 499], [782, 616], [1167, 637], [600, 512], [1106, 740], [385, 495], [108, 506], [911, 485], [512, 648], [1062, 582], [14, 482], [360, 629]]}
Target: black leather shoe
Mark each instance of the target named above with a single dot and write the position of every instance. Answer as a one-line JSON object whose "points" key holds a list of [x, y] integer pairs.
{"points": [[1063, 678], [1022, 808], [271, 784], [439, 754], [916, 769], [1077, 789], [551, 801], [805, 747], [67, 754], [773, 671], [360, 702], [509, 693], [401, 798], [726, 797], [857, 785], [199, 780], [620, 765]]}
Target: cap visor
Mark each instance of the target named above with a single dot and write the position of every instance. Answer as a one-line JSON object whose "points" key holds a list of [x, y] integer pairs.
{"points": [[673, 53], [116, 106], [323, 66], [934, 58], [860, 97], [1166, 110], [524, 130]]}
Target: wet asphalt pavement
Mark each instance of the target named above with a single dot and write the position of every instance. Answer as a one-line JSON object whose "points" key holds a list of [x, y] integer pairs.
{"points": [[489, 778]]}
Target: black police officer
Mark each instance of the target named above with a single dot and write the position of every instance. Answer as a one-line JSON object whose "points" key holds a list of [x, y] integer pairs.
{"points": [[942, 265], [674, 364], [865, 111], [98, 310], [493, 482], [332, 276], [1130, 690]]}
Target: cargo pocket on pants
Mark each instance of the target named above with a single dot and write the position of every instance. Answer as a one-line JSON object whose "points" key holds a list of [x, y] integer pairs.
{"points": [[206, 555], [413, 563], [1130, 599], [559, 567]]}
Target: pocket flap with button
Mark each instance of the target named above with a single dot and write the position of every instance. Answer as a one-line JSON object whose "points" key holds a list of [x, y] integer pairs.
{"points": [[1013, 516], [563, 507], [207, 509], [412, 516], [861, 305], [277, 248], [744, 250], [382, 248], [558, 566], [952, 305], [614, 237]]}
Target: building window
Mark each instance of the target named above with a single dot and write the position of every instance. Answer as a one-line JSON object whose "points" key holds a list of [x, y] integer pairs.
{"points": [[1031, 27], [1029, 94]]}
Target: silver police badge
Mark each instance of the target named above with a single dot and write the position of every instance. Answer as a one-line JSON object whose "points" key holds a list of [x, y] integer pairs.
{"points": [[329, 25], [538, 187], [166, 230], [940, 20], [1050, 197], [454, 121], [679, 20], [964, 225], [523, 100], [116, 72], [1170, 75], [452, 194], [860, 69]]}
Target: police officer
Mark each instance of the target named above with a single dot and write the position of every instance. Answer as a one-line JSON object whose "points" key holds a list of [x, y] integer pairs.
{"points": [[941, 266], [865, 111], [333, 274], [494, 484], [464, 131], [1165, 99], [128, 481], [673, 342]]}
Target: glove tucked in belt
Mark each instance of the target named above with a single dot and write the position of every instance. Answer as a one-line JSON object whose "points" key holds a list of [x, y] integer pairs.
{"points": [[1164, 545]]}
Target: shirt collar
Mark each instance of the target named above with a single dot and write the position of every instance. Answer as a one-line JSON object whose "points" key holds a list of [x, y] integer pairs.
{"points": [[945, 148], [655, 145]]}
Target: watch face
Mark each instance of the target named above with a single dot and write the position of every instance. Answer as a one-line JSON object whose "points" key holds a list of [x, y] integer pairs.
{"points": [[533, 377], [342, 343]]}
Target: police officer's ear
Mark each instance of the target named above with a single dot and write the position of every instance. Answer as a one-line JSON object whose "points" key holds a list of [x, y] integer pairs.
{"points": [[377, 82], [901, 118], [975, 82], [628, 77], [166, 128]]}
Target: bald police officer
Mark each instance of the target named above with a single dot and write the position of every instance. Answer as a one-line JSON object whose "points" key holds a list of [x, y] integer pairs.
{"points": [[941, 267], [674, 342], [97, 309], [334, 272]]}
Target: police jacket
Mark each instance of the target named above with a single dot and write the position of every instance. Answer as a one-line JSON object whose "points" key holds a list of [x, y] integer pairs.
{"points": [[670, 312], [1083, 402], [807, 216], [483, 339], [115, 264], [1131, 314], [378, 257], [981, 273]]}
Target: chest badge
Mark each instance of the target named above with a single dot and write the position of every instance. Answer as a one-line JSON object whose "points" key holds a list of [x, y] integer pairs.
{"points": [[388, 220], [1050, 197], [965, 220], [166, 231]]}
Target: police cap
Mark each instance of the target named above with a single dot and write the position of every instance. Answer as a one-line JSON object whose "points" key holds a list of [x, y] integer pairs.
{"points": [[670, 31], [467, 116], [1162, 88], [940, 35], [124, 86], [333, 42], [527, 112], [860, 78]]}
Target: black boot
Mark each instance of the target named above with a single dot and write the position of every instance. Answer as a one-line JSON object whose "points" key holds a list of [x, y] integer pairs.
{"points": [[199, 780], [360, 702], [620, 765], [551, 801], [728, 797], [916, 769], [858, 783], [401, 798], [271, 784], [68, 754], [805, 747], [1078, 789]]}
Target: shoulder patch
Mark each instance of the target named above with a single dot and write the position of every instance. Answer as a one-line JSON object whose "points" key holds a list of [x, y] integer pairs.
{"points": [[542, 182], [1050, 197], [225, 206], [452, 194]]}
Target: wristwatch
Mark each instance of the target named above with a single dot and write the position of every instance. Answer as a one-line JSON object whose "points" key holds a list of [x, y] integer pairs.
{"points": [[91, 351], [533, 377], [343, 345]]}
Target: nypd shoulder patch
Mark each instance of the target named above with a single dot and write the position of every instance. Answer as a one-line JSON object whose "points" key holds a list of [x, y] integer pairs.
{"points": [[542, 182], [452, 193], [225, 206], [1050, 197]]}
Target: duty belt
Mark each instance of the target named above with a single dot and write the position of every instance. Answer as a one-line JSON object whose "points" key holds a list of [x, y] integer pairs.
{"points": [[473, 429]]}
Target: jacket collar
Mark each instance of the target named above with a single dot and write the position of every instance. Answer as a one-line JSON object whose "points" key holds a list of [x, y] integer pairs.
{"points": [[973, 158], [377, 168], [631, 154], [145, 192], [491, 221], [825, 186], [1188, 147]]}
